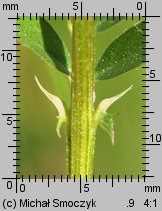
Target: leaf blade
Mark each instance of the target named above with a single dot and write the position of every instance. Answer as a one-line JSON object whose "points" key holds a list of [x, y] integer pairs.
{"points": [[105, 24], [122, 55], [43, 39], [55, 47]]}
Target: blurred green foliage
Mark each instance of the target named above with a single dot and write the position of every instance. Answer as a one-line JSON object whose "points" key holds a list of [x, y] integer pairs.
{"points": [[42, 152]]}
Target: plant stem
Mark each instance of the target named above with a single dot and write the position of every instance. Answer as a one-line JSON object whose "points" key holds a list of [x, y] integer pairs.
{"points": [[82, 124], [68, 151]]}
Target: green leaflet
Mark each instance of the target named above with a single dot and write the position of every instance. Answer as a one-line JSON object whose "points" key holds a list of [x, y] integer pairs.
{"points": [[59, 105], [106, 123], [103, 24], [55, 47], [42, 38], [122, 55]]}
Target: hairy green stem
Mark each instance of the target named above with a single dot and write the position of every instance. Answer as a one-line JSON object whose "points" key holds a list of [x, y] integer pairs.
{"points": [[68, 151], [82, 88]]}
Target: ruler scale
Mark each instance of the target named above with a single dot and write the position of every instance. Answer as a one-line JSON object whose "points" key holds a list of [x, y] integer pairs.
{"points": [[140, 191]]}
